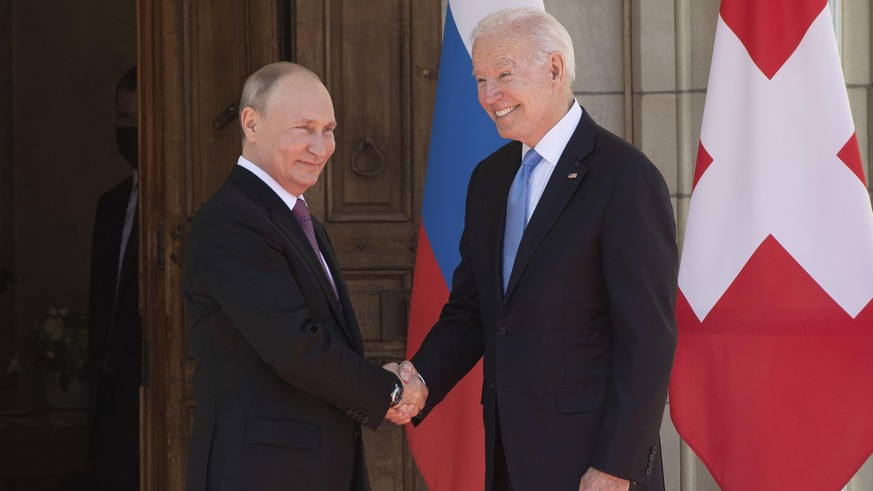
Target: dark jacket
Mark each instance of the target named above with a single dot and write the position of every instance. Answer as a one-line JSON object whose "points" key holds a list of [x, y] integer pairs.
{"points": [[115, 346], [281, 384], [577, 354]]}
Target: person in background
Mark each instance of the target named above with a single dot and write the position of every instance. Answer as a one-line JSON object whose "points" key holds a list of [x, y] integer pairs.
{"points": [[115, 331]]}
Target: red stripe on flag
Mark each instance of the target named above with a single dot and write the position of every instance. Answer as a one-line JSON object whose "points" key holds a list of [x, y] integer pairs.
{"points": [[851, 156], [769, 381], [429, 293], [449, 445], [770, 30], [703, 161]]}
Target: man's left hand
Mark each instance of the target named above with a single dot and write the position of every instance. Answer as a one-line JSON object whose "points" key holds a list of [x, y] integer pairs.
{"points": [[595, 480]]}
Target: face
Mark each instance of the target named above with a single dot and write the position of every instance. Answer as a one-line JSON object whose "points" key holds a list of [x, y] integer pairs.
{"points": [[523, 98], [293, 141], [125, 109]]}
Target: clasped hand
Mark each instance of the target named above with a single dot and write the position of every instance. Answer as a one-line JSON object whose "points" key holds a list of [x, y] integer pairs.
{"points": [[414, 393]]}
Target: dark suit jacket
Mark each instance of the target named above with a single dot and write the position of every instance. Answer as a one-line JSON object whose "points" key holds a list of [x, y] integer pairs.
{"points": [[115, 346], [281, 383], [577, 354]]}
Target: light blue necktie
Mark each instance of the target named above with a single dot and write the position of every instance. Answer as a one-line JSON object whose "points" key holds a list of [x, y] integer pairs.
{"points": [[516, 212]]}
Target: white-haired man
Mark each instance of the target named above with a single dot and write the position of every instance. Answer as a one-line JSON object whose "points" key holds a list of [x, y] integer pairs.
{"points": [[567, 279]]}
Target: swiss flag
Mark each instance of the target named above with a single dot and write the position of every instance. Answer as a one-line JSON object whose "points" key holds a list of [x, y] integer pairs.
{"points": [[773, 380]]}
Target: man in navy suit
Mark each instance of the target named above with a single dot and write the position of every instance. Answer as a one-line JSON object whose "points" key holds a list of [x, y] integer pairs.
{"points": [[567, 280], [281, 383]]}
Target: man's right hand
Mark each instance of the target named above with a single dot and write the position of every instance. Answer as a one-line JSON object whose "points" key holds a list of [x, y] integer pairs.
{"points": [[414, 393]]}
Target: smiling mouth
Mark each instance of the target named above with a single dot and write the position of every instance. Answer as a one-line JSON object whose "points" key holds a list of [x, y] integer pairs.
{"points": [[504, 112]]}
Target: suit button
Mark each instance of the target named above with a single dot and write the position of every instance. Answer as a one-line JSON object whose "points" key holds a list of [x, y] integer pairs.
{"points": [[349, 412], [365, 419], [501, 330], [492, 385], [648, 471], [654, 451], [356, 434]]}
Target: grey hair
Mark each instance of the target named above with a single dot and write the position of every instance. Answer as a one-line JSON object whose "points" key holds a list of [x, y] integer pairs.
{"points": [[545, 33], [258, 89]]}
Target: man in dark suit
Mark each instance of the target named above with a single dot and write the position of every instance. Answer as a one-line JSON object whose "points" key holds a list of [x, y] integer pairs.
{"points": [[281, 384], [115, 333], [566, 283]]}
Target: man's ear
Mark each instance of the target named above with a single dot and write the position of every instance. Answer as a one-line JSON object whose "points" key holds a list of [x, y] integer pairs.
{"points": [[557, 66], [250, 121]]}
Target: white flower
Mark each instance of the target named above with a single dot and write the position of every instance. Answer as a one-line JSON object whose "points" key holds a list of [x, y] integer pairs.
{"points": [[53, 327]]}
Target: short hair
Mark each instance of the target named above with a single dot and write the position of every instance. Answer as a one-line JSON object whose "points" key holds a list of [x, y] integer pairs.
{"points": [[259, 87], [127, 82], [545, 33]]}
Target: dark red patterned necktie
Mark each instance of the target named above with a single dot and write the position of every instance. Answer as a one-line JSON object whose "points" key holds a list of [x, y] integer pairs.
{"points": [[301, 213]]}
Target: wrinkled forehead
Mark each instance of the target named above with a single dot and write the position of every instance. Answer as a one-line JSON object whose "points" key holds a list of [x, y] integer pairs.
{"points": [[500, 52]]}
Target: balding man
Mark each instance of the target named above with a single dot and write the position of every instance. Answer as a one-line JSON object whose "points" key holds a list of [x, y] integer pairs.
{"points": [[281, 384]]}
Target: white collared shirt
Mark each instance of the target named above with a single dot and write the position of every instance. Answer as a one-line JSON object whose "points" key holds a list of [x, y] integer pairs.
{"points": [[550, 148], [289, 199], [127, 228]]}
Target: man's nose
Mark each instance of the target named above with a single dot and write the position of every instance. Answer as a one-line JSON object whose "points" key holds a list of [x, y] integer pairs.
{"points": [[490, 93], [317, 144]]}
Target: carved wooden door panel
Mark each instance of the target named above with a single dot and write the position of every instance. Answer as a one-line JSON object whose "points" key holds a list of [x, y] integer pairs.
{"points": [[379, 60]]}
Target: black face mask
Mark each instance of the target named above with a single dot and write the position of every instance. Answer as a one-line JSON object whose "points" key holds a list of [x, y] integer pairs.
{"points": [[125, 140]]}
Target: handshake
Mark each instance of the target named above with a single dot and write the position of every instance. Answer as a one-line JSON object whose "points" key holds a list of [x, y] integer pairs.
{"points": [[414, 393]]}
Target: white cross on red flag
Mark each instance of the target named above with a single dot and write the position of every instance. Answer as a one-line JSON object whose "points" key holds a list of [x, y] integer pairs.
{"points": [[772, 386]]}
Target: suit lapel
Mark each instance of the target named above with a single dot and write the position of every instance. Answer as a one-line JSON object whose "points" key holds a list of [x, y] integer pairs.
{"points": [[129, 262], [350, 325], [285, 221], [127, 277], [557, 194]]}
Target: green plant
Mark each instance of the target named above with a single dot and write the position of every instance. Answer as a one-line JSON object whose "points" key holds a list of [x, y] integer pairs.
{"points": [[60, 344]]}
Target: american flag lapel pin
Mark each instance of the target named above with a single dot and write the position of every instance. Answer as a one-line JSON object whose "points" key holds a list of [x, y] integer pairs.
{"points": [[572, 175]]}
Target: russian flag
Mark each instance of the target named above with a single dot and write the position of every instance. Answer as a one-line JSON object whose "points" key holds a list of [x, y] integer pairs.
{"points": [[449, 447]]}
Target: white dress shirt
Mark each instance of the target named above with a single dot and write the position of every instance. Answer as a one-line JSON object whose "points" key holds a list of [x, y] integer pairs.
{"points": [[550, 148]]}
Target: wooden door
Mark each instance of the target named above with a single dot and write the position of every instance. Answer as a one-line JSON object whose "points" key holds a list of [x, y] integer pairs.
{"points": [[379, 61]]}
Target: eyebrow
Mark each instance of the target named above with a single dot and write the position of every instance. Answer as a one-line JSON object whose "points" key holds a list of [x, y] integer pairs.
{"points": [[311, 122], [501, 62]]}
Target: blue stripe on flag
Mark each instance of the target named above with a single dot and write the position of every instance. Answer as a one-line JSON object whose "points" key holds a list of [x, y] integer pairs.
{"points": [[462, 135]]}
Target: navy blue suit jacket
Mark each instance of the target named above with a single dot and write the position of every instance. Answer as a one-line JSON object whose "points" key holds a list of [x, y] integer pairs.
{"points": [[578, 352]]}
